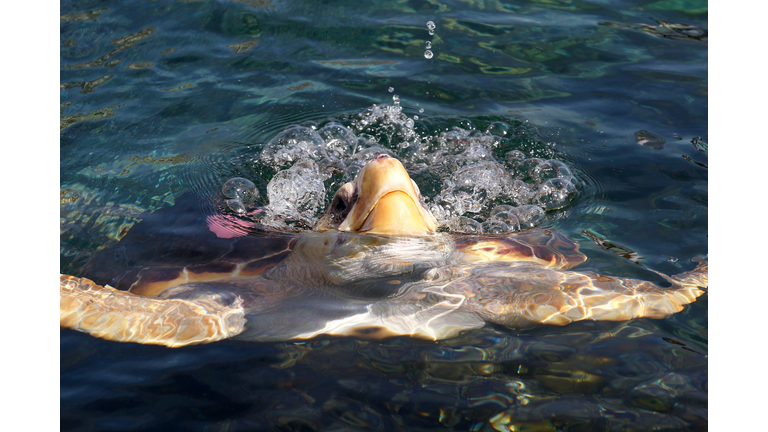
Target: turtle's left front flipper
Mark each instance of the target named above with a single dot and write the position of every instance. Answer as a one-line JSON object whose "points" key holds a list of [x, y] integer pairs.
{"points": [[105, 312], [523, 294]]}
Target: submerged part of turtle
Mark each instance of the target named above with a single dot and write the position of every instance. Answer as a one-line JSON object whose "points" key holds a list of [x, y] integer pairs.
{"points": [[374, 268]]}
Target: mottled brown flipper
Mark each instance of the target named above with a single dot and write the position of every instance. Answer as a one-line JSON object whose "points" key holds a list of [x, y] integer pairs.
{"points": [[545, 247], [105, 312], [525, 294]]}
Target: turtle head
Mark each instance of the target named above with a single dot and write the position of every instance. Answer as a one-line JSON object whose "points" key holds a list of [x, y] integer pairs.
{"points": [[381, 200]]}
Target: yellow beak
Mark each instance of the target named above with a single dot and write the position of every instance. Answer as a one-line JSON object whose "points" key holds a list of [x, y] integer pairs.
{"points": [[388, 202]]}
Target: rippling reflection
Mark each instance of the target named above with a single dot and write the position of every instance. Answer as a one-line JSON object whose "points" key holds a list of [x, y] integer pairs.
{"points": [[543, 379]]}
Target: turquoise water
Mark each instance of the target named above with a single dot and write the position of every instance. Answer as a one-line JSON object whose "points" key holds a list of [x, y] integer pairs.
{"points": [[162, 102]]}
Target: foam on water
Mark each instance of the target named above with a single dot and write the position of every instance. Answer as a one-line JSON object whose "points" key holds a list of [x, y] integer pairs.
{"points": [[295, 195], [480, 181]]}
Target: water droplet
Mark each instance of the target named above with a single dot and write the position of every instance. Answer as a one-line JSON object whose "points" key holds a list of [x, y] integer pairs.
{"points": [[428, 54], [396, 99], [391, 89]]}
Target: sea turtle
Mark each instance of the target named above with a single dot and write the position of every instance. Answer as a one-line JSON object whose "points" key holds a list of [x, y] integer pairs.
{"points": [[374, 267]]}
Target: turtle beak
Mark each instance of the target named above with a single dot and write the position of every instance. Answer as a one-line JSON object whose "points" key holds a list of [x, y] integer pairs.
{"points": [[387, 202]]}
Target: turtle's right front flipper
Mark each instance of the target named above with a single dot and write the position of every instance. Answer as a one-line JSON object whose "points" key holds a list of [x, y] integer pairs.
{"points": [[522, 294], [105, 312]]}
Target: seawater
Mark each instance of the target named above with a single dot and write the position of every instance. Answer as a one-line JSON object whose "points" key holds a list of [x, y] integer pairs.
{"points": [[163, 102]]}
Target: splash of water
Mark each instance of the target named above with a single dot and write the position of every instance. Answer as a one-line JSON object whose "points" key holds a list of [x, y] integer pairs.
{"points": [[495, 180]]}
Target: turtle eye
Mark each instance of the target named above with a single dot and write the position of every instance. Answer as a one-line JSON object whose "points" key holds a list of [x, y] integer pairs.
{"points": [[339, 209], [342, 203]]}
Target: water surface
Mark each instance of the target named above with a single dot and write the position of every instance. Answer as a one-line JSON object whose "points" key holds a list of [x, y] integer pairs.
{"points": [[163, 101]]}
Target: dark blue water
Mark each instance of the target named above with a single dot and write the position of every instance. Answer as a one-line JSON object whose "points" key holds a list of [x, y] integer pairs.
{"points": [[164, 101]]}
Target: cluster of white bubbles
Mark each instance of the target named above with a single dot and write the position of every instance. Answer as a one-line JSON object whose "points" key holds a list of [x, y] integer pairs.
{"points": [[296, 194], [521, 188], [479, 182]]}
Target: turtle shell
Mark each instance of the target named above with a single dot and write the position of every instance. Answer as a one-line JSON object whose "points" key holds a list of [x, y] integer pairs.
{"points": [[547, 247]]}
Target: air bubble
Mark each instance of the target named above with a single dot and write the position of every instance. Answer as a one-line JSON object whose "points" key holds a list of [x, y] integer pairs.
{"points": [[498, 128], [236, 206], [477, 152], [555, 193], [550, 169], [506, 213], [429, 45], [339, 141], [240, 189], [509, 219], [501, 209], [430, 25], [428, 54], [391, 89], [494, 226], [291, 145], [529, 215], [470, 226], [421, 110], [242, 193], [415, 117]]}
